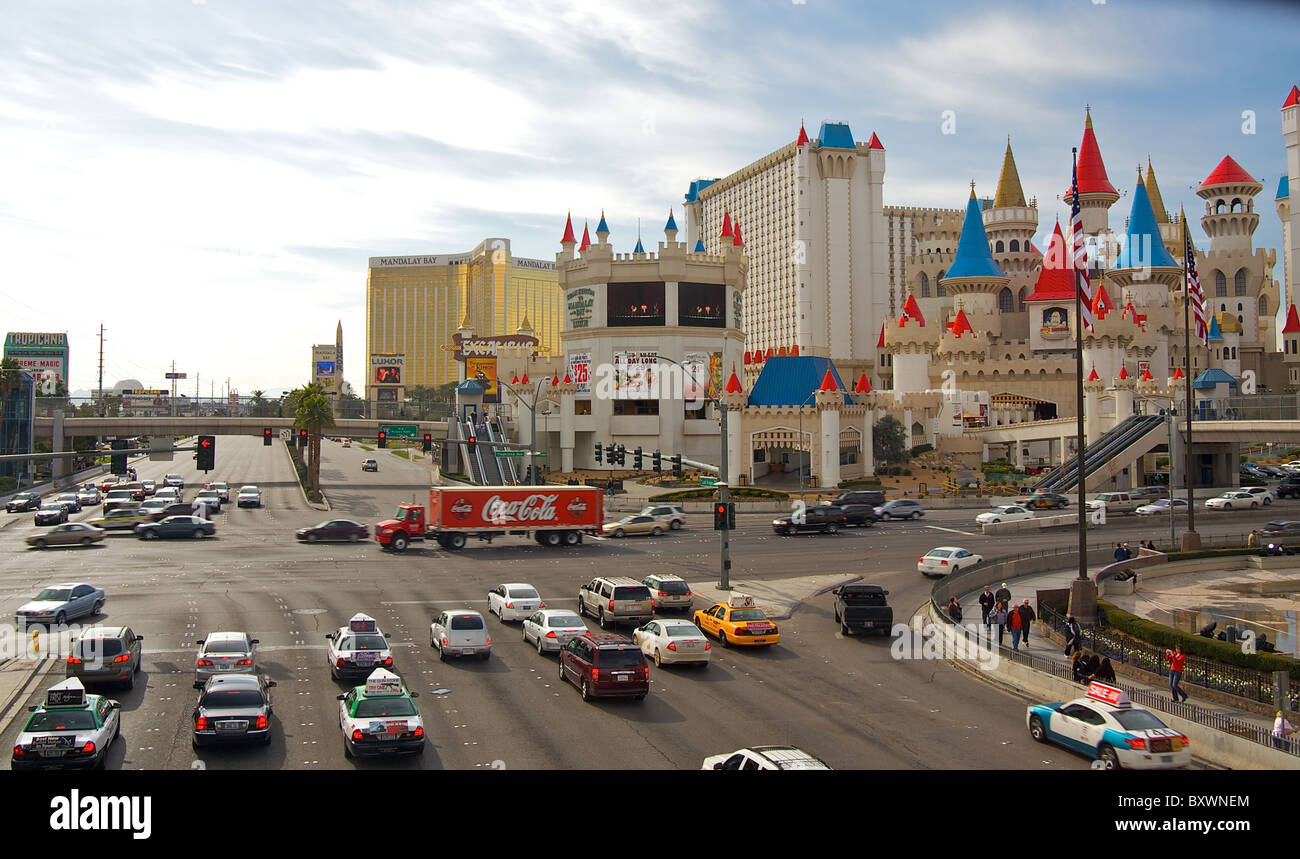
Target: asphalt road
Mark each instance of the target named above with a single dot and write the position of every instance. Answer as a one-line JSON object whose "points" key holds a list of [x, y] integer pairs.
{"points": [[846, 700]]}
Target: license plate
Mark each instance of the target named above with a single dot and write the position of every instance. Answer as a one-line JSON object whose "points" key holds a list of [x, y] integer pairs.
{"points": [[1166, 759], [365, 658], [389, 736], [232, 727], [760, 641], [622, 678], [54, 753]]}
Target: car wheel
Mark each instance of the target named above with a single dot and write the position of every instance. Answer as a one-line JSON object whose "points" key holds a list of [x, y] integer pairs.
{"points": [[914, 516], [656, 531], [456, 541], [844, 628], [98, 609], [1037, 729], [1267, 501], [40, 544], [1253, 505], [1229, 506], [311, 538], [604, 623], [198, 533], [352, 538], [676, 525], [399, 543], [60, 619], [442, 654], [540, 649], [1107, 755], [571, 538], [86, 541], [347, 749], [955, 571], [586, 690], [562, 677], [832, 528], [618, 532], [722, 638], [659, 658]]}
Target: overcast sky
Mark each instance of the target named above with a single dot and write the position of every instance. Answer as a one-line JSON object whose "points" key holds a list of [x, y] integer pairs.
{"points": [[208, 177]]}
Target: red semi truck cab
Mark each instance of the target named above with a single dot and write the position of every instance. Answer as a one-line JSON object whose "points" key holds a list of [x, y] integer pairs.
{"points": [[551, 515]]}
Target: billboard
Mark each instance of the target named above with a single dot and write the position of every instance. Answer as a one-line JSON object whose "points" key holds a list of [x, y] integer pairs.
{"points": [[388, 375], [488, 367], [325, 368], [580, 371], [636, 375], [701, 375], [43, 355], [150, 401]]}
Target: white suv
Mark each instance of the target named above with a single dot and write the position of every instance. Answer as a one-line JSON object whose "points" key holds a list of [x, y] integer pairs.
{"points": [[675, 516]]}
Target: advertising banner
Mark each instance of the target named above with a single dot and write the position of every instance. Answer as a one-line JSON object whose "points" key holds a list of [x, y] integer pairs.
{"points": [[701, 375], [325, 368], [43, 355], [636, 375], [488, 367], [580, 371]]}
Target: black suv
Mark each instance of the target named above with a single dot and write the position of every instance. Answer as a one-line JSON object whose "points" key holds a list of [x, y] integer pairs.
{"points": [[1289, 487], [827, 518], [873, 497], [859, 515]]}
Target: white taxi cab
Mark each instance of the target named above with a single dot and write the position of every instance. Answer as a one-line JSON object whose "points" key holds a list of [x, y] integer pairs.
{"points": [[71, 730], [380, 718], [355, 650], [1107, 726]]}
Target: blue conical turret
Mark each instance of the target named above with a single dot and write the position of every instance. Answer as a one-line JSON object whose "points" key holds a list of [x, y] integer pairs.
{"points": [[974, 259], [1143, 247]]}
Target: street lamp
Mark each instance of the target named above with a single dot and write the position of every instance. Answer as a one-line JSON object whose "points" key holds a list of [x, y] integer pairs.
{"points": [[1168, 414], [801, 456], [532, 412]]}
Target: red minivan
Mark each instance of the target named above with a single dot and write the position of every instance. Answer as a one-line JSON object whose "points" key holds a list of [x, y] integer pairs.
{"points": [[605, 665]]}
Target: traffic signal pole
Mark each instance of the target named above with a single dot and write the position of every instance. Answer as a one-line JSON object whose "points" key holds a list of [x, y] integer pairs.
{"points": [[724, 496]]}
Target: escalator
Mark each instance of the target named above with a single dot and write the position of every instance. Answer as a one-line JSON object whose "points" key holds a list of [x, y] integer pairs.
{"points": [[505, 465], [1102, 459], [489, 463], [457, 433]]}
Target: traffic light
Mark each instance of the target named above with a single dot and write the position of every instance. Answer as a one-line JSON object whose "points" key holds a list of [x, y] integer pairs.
{"points": [[472, 441], [207, 458], [637, 462], [724, 515], [266, 436], [599, 452], [677, 465], [119, 459], [657, 461], [428, 442], [622, 455], [302, 438], [383, 438]]}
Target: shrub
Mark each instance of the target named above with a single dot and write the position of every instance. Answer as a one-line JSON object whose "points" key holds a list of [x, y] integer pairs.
{"points": [[922, 448], [8, 483], [706, 493], [1160, 635], [997, 466]]}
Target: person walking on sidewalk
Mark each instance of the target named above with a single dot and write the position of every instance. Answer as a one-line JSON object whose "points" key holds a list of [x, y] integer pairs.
{"points": [[1079, 667], [1105, 671], [998, 618], [1177, 659], [1026, 620], [1282, 731], [1073, 636], [1017, 625], [1120, 554], [987, 602], [1003, 595], [1252, 541], [954, 609]]}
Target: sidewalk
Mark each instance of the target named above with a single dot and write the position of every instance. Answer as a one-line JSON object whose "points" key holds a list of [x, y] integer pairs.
{"points": [[1042, 647]]}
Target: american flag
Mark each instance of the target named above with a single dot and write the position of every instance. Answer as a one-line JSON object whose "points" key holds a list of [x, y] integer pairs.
{"points": [[1194, 292], [1080, 251]]}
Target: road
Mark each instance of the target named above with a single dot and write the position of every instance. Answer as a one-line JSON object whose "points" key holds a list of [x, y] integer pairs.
{"points": [[845, 699]]}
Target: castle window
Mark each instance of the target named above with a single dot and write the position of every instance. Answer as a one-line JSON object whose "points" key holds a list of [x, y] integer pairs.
{"points": [[1236, 205], [925, 285], [1220, 284], [1263, 306], [635, 303], [700, 305], [1000, 247], [1006, 301], [1022, 301], [1239, 283], [939, 291], [1015, 244]]}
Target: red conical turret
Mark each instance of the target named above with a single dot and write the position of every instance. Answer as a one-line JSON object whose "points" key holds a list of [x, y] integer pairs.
{"points": [[961, 324], [881, 343], [803, 136], [567, 238], [726, 225], [794, 351], [1101, 303], [875, 143], [1092, 171], [1146, 376], [863, 386], [586, 239], [1178, 373], [737, 240], [1292, 321], [912, 310], [1093, 377], [828, 382], [1123, 371], [733, 384], [1293, 99]]}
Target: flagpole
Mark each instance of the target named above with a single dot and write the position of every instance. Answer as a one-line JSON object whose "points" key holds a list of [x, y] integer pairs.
{"points": [[1191, 540]]}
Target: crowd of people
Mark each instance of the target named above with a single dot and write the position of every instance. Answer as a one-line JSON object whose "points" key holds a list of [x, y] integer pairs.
{"points": [[997, 609]]}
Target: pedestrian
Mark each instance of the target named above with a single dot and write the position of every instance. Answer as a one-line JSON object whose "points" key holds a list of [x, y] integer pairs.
{"points": [[1017, 625], [1027, 617], [1119, 553], [1177, 659], [1003, 595], [998, 618], [1092, 668], [1128, 552], [987, 601], [954, 609], [1106, 671], [1252, 541], [1073, 636], [1079, 667], [1282, 730]]}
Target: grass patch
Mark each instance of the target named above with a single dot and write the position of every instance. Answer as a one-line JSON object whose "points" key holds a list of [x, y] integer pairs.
{"points": [[706, 493], [403, 454], [367, 448]]}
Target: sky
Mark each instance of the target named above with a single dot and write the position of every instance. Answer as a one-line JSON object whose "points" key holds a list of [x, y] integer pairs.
{"points": [[207, 178]]}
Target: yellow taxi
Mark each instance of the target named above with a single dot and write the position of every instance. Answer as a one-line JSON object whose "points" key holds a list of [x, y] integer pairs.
{"points": [[739, 621]]}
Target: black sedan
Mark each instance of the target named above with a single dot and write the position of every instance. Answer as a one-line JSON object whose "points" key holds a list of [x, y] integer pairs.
{"points": [[1043, 501], [1283, 531], [334, 531], [23, 502], [52, 513], [234, 708], [859, 515], [176, 526]]}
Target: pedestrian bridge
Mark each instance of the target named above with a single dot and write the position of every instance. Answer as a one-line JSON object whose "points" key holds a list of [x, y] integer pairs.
{"points": [[1242, 432], [43, 427]]}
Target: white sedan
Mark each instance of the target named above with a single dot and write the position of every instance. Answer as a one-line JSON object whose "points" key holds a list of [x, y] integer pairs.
{"points": [[1005, 513], [552, 628], [672, 641], [945, 560], [514, 601], [1161, 508], [1228, 500]]}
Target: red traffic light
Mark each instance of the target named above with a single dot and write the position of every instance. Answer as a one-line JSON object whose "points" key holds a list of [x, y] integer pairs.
{"points": [[205, 442], [428, 436]]}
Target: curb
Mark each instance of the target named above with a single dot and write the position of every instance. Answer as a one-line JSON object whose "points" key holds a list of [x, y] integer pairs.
{"points": [[326, 508], [20, 691]]}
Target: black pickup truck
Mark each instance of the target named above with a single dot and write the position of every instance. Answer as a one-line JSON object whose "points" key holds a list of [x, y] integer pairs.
{"points": [[863, 607]]}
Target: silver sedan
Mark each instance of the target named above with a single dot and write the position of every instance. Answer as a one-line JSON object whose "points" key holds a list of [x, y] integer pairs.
{"points": [[223, 653], [673, 641], [552, 628]]}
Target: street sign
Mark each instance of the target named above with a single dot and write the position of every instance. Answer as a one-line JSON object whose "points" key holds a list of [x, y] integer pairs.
{"points": [[511, 452], [174, 375], [708, 481], [410, 431]]}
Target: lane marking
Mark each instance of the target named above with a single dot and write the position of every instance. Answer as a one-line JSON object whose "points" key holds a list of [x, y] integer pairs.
{"points": [[954, 531], [463, 602]]}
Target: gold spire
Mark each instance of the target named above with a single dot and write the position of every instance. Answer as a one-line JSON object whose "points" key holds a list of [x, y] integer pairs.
{"points": [[464, 321], [1153, 191], [972, 189], [1009, 193], [525, 325], [1087, 122]]}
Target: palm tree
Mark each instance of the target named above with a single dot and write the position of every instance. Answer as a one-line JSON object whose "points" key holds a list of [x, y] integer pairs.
{"points": [[313, 414], [257, 405]]}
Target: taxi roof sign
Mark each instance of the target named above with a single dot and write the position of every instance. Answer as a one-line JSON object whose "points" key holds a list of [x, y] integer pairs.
{"points": [[382, 682], [69, 693], [740, 601], [362, 623], [1109, 694]]}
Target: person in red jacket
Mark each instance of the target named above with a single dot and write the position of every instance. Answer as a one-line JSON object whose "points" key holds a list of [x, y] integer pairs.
{"points": [[1176, 659], [1016, 623]]}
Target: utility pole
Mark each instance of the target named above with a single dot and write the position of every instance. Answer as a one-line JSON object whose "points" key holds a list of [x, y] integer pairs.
{"points": [[173, 375], [101, 370]]}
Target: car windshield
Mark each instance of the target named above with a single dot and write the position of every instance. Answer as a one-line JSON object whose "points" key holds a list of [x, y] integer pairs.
{"points": [[57, 594], [681, 629], [621, 657], [523, 594], [248, 490], [61, 720], [400, 515], [225, 645], [466, 621], [1137, 720], [674, 588], [51, 505], [91, 647], [371, 707], [748, 614], [564, 620], [220, 697], [364, 641], [208, 493]]}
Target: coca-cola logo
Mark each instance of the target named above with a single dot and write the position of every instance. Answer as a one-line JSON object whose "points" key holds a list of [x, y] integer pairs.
{"points": [[577, 507], [462, 508], [534, 508]]}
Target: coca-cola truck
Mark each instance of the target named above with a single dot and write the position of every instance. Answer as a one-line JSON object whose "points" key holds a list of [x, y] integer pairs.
{"points": [[551, 515]]}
